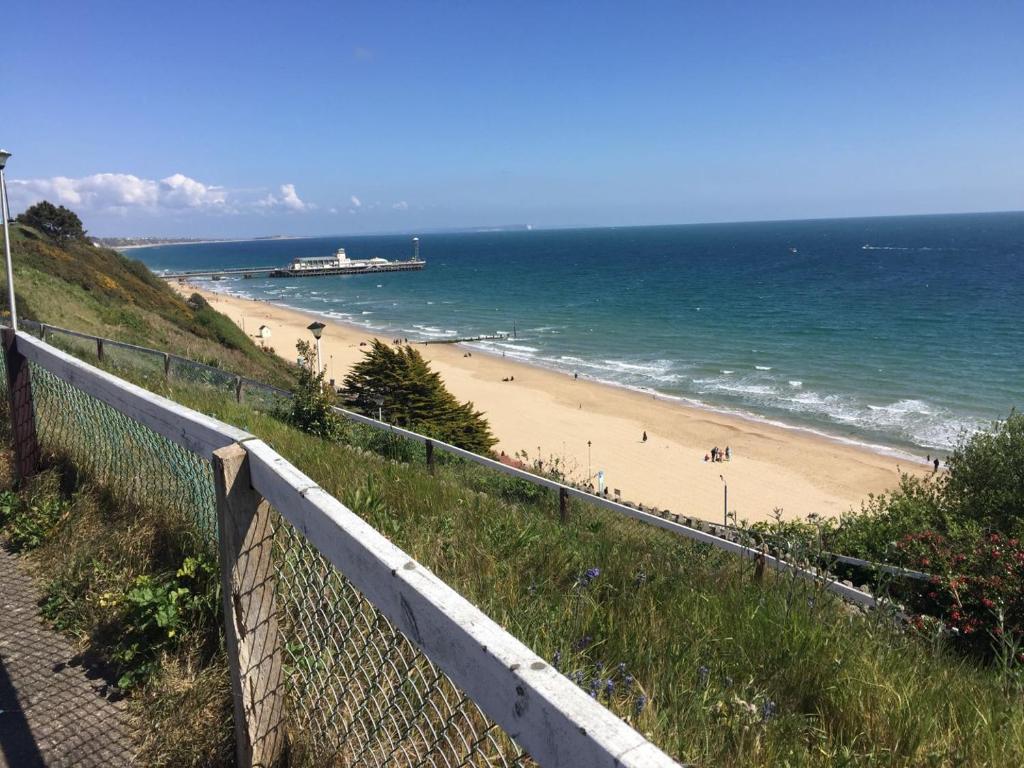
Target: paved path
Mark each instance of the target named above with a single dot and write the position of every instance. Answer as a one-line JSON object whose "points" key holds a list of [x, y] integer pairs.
{"points": [[57, 707]]}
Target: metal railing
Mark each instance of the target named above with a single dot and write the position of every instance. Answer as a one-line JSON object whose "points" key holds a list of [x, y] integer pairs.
{"points": [[339, 643], [727, 538]]}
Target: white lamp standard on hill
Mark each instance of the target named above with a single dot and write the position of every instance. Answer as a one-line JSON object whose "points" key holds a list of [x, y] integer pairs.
{"points": [[6, 212], [317, 330]]}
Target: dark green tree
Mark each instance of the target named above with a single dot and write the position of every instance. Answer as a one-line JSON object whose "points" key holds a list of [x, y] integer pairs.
{"points": [[57, 222], [399, 382], [311, 404]]}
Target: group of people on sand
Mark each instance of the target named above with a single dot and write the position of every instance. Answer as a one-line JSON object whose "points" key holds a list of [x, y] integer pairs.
{"points": [[509, 378], [717, 454]]}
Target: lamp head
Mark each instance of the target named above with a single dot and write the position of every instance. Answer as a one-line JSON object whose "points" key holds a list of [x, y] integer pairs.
{"points": [[316, 328], [4, 154]]}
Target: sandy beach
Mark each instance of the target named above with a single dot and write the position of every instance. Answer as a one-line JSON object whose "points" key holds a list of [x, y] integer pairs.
{"points": [[551, 414]]}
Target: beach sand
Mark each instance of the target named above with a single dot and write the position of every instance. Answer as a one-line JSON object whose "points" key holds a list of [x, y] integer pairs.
{"points": [[549, 414]]}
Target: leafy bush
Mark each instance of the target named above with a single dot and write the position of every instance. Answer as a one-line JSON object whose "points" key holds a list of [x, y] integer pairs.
{"points": [[310, 407], [985, 481], [978, 593], [27, 518], [157, 611]]}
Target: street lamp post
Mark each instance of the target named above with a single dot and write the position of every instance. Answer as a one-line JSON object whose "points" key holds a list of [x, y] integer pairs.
{"points": [[725, 501], [588, 461], [6, 212], [317, 329]]}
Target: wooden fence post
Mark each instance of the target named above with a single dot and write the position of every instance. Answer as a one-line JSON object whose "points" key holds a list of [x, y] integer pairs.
{"points": [[430, 455], [563, 505], [253, 640], [99, 350], [238, 389], [167, 366], [19, 399]]}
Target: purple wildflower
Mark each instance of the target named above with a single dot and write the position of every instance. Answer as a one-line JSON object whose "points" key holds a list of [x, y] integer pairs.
{"points": [[589, 575], [556, 660], [703, 674], [609, 688], [628, 682], [622, 668], [595, 684], [767, 710], [639, 704]]}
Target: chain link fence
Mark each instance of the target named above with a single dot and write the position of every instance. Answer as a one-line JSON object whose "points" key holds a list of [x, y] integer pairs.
{"points": [[358, 692]]}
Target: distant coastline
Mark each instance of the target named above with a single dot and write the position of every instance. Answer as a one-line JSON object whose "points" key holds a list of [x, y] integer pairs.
{"points": [[171, 241]]}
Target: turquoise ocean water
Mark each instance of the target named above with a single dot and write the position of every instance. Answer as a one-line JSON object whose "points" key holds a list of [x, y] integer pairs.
{"points": [[896, 332]]}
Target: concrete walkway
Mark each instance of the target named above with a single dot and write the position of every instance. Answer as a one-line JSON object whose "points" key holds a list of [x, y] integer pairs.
{"points": [[57, 706]]}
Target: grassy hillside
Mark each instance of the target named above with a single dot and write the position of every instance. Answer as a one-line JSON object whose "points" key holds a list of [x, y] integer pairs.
{"points": [[99, 291], [715, 664]]}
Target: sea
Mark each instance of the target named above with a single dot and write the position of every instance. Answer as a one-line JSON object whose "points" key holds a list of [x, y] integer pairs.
{"points": [[901, 333]]}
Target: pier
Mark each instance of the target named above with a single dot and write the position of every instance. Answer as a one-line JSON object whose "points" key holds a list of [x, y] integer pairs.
{"points": [[213, 273]]}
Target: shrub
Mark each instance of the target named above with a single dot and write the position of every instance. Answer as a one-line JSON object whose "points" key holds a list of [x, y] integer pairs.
{"points": [[156, 614], [985, 483], [27, 518], [978, 593], [311, 404]]}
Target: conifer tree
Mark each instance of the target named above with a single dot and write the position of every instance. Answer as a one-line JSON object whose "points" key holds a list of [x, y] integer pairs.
{"points": [[399, 382]]}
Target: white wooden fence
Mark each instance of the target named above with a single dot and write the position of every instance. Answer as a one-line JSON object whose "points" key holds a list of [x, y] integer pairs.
{"points": [[539, 709]]}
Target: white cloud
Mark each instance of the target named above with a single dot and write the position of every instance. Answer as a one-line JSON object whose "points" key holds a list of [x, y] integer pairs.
{"points": [[401, 205], [290, 199], [356, 202], [124, 192], [181, 191]]}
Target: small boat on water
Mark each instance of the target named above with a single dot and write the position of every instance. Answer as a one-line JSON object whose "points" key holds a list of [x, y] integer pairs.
{"points": [[341, 264]]}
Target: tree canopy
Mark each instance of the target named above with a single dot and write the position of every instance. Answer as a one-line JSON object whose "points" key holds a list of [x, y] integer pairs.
{"points": [[399, 382], [57, 222]]}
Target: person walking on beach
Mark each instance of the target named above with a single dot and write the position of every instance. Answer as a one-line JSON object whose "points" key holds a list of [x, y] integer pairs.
{"points": [[645, 436], [936, 463], [728, 453]]}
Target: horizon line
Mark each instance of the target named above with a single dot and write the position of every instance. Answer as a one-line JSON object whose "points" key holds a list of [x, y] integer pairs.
{"points": [[526, 226]]}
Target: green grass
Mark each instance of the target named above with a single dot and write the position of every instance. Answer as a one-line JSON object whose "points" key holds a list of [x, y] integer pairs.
{"points": [[733, 671]]}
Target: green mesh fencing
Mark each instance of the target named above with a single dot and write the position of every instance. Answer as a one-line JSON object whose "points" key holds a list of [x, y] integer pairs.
{"points": [[118, 452], [357, 691]]}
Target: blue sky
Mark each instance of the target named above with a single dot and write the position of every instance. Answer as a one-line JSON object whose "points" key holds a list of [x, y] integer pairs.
{"points": [[249, 118]]}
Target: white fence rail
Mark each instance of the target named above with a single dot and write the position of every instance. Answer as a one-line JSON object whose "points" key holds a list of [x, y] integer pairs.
{"points": [[549, 717]]}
